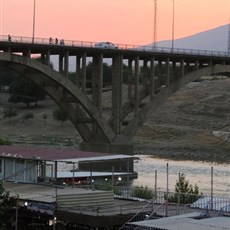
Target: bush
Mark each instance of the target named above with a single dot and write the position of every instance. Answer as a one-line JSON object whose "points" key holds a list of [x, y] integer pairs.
{"points": [[60, 115], [5, 141], [9, 112], [185, 192], [28, 116], [142, 192]]}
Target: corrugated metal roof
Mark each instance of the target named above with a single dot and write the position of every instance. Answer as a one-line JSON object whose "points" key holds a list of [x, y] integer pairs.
{"points": [[52, 154], [41, 193], [187, 221], [215, 203]]}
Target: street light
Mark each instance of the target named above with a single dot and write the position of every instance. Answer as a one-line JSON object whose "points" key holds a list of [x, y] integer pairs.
{"points": [[0, 17], [173, 24], [34, 20]]}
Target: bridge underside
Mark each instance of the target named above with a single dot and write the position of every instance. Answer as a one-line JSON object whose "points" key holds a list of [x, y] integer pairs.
{"points": [[110, 126]]}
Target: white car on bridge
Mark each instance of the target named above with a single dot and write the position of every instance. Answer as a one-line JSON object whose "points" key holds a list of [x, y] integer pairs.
{"points": [[106, 45]]}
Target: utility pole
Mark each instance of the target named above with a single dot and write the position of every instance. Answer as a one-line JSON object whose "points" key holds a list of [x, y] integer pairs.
{"points": [[173, 24], [229, 39], [155, 24], [34, 20]]}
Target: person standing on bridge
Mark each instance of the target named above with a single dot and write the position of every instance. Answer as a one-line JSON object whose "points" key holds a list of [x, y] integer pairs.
{"points": [[9, 38], [50, 41], [62, 42], [56, 41]]}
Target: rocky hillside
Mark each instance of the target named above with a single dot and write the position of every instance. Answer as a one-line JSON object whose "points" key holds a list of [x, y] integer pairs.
{"points": [[193, 124]]}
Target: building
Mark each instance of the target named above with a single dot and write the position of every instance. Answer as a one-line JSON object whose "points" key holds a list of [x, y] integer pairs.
{"points": [[45, 164]]}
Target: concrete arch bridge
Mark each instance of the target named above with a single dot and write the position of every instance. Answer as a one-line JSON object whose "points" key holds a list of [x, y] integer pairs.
{"points": [[142, 79]]}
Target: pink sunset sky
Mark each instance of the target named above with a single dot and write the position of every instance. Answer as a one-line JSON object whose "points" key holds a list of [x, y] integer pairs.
{"points": [[118, 21]]}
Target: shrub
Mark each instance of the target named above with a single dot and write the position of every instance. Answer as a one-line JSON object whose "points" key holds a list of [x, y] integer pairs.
{"points": [[60, 115], [142, 192], [9, 112], [28, 116], [5, 141], [185, 193]]}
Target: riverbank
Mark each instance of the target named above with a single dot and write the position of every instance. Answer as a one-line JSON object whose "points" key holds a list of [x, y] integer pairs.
{"points": [[197, 172]]}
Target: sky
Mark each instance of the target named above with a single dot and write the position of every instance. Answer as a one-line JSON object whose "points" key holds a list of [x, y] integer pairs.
{"points": [[117, 21]]}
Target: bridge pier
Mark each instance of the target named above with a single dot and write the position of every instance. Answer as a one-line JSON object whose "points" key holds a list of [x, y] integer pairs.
{"points": [[122, 145]]}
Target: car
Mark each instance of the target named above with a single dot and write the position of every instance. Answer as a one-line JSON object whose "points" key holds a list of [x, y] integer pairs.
{"points": [[106, 45]]}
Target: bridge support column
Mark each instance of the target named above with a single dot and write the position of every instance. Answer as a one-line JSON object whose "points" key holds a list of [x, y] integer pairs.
{"points": [[167, 83], [152, 78], [136, 87], [145, 74], [197, 65], [182, 67], [122, 145], [78, 70], [27, 53], [117, 80], [173, 71], [130, 77], [159, 70], [47, 59], [97, 82], [66, 67], [83, 76], [61, 63]]}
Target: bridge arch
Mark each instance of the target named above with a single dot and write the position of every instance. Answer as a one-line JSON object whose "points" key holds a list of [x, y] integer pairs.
{"points": [[65, 93], [166, 92], [87, 117]]}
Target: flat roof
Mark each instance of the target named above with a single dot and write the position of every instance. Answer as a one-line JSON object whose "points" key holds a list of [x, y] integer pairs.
{"points": [[55, 154], [41, 192], [187, 222], [88, 174]]}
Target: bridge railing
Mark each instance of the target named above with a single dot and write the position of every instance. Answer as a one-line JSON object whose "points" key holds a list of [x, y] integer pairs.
{"points": [[129, 47]]}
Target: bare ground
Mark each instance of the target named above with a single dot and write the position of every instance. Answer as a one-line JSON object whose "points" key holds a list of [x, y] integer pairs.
{"points": [[182, 128]]}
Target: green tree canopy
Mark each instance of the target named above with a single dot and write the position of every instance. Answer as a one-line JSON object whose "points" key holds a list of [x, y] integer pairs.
{"points": [[60, 115], [185, 193], [25, 91]]}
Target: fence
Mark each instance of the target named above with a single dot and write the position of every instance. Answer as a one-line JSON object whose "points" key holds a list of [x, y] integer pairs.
{"points": [[73, 43]]}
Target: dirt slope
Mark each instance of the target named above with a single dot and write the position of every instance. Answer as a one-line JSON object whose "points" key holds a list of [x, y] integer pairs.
{"points": [[183, 127]]}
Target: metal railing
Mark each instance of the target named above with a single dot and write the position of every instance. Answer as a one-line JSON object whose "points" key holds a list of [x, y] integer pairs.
{"points": [[128, 47], [148, 206]]}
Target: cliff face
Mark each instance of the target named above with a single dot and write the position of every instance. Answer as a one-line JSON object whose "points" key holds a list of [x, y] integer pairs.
{"points": [[193, 124]]}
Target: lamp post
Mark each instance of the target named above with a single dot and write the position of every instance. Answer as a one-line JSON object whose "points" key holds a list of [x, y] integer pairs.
{"points": [[34, 20], [1, 17], [173, 24]]}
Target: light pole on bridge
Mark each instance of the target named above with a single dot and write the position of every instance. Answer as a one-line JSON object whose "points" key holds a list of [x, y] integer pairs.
{"points": [[173, 24], [34, 12]]}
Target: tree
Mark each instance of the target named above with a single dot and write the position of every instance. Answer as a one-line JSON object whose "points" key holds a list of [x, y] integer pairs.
{"points": [[9, 112], [7, 205], [185, 192], [60, 115], [25, 91], [6, 77]]}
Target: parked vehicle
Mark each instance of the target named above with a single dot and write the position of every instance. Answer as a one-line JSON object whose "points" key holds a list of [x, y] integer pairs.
{"points": [[106, 45]]}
